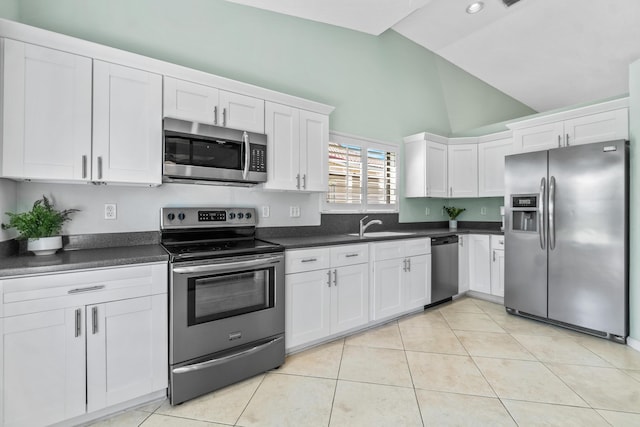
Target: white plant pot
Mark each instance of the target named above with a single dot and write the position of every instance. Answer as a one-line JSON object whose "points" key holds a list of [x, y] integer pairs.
{"points": [[453, 224], [44, 245]]}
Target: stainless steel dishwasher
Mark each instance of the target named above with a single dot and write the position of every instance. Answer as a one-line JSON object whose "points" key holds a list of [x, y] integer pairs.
{"points": [[444, 268]]}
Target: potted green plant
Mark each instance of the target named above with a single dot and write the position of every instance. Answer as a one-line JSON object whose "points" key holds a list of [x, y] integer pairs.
{"points": [[453, 213], [40, 226]]}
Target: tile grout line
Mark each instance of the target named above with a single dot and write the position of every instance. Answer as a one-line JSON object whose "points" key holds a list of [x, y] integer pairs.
{"points": [[335, 388], [413, 385], [264, 376]]}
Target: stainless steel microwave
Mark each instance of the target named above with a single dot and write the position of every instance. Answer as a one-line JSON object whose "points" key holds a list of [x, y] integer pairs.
{"points": [[198, 152]]}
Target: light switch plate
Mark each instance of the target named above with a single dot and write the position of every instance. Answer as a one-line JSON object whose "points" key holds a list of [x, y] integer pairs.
{"points": [[294, 211], [265, 212]]}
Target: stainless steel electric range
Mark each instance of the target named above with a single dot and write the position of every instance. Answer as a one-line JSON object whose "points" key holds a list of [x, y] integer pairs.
{"points": [[226, 299]]}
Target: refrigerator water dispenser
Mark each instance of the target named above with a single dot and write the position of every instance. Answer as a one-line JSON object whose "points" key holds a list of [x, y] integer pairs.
{"points": [[524, 213]]}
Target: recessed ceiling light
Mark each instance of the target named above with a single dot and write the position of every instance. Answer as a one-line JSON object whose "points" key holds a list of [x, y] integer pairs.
{"points": [[475, 7]]}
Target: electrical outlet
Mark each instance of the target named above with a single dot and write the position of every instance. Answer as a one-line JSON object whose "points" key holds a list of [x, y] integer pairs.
{"points": [[427, 211], [110, 211], [294, 211], [265, 212], [483, 210]]}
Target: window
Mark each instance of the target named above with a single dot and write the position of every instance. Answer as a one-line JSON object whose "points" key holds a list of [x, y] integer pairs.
{"points": [[362, 175]]}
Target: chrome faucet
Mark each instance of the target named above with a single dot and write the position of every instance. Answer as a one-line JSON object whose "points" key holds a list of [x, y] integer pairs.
{"points": [[363, 227]]}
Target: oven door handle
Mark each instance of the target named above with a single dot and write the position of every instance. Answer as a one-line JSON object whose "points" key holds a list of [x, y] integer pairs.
{"points": [[212, 268], [214, 362]]}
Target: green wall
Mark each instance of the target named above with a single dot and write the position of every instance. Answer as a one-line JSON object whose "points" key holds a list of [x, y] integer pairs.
{"points": [[9, 9], [383, 87], [634, 233]]}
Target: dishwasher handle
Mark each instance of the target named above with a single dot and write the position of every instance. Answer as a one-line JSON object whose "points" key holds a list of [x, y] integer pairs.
{"points": [[444, 240]]}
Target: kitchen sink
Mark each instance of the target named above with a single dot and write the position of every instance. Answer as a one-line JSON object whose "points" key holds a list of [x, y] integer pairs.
{"points": [[374, 234]]}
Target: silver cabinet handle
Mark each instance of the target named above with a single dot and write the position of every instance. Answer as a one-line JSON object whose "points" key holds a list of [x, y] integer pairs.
{"points": [[309, 260], [215, 115], [351, 255], [304, 181], [94, 320], [552, 213], [224, 117], [427, 190], [559, 141], [218, 361], [542, 231], [329, 278], [78, 322], [409, 264], [494, 256], [99, 167], [247, 153], [461, 241], [567, 140], [335, 277], [84, 166], [298, 181], [404, 264], [450, 191], [87, 289]]}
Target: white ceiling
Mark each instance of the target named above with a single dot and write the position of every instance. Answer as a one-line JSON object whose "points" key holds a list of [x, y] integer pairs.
{"points": [[545, 53]]}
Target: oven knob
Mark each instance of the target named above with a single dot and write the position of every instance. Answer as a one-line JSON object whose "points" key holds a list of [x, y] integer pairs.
{"points": [[181, 216], [240, 215], [232, 215], [248, 215], [171, 216]]}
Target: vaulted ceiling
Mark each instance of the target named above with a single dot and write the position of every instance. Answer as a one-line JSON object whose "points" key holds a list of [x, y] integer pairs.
{"points": [[545, 53]]}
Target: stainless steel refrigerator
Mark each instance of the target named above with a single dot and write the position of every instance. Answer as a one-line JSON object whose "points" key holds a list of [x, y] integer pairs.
{"points": [[566, 234]]}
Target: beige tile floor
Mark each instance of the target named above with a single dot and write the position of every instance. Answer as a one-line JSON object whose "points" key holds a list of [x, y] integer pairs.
{"points": [[467, 363]]}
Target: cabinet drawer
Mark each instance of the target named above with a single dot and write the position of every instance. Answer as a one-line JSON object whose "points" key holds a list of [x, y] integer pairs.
{"points": [[296, 261], [349, 255], [388, 250], [414, 247], [497, 243]]}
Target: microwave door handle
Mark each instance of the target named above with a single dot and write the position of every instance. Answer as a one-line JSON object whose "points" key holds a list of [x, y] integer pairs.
{"points": [[245, 144]]}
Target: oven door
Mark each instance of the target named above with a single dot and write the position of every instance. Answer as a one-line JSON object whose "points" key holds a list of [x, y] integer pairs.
{"points": [[223, 303]]}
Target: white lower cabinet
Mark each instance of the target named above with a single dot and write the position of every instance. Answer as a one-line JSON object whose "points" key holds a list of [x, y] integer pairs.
{"points": [[463, 263], [74, 343], [486, 264], [401, 272], [327, 292]]}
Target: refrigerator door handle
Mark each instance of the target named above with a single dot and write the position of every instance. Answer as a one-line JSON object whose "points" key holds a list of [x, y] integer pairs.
{"points": [[541, 229], [552, 213]]}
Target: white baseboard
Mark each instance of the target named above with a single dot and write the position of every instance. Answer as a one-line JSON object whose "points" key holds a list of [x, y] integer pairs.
{"points": [[633, 343]]}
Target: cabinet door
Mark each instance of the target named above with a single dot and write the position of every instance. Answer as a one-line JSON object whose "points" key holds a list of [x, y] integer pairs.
{"points": [[126, 350], [241, 112], [463, 170], [417, 289], [127, 125], [43, 366], [497, 273], [388, 281], [282, 127], [491, 166], [308, 310], [190, 101], [538, 138], [46, 123], [314, 143], [463, 263], [479, 263], [605, 126], [350, 297], [436, 170], [415, 169]]}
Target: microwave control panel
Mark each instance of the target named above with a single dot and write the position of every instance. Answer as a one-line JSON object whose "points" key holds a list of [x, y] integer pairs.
{"points": [[258, 162]]}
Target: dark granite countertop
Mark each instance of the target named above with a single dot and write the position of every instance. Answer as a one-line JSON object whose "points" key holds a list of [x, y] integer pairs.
{"points": [[343, 239], [27, 264]]}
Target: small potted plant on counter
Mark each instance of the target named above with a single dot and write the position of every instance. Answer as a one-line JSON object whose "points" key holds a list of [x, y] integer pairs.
{"points": [[40, 226], [453, 213]]}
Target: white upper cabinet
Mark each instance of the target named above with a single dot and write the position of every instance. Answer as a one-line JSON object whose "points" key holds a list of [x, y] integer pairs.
{"points": [[425, 167], [46, 114], [463, 170], [127, 125], [491, 166], [571, 128], [205, 104], [297, 148]]}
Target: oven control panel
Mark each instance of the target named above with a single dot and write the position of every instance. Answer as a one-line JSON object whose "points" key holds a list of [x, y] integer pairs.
{"points": [[206, 217]]}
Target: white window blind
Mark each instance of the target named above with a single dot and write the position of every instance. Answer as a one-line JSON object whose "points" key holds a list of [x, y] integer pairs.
{"points": [[362, 175]]}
